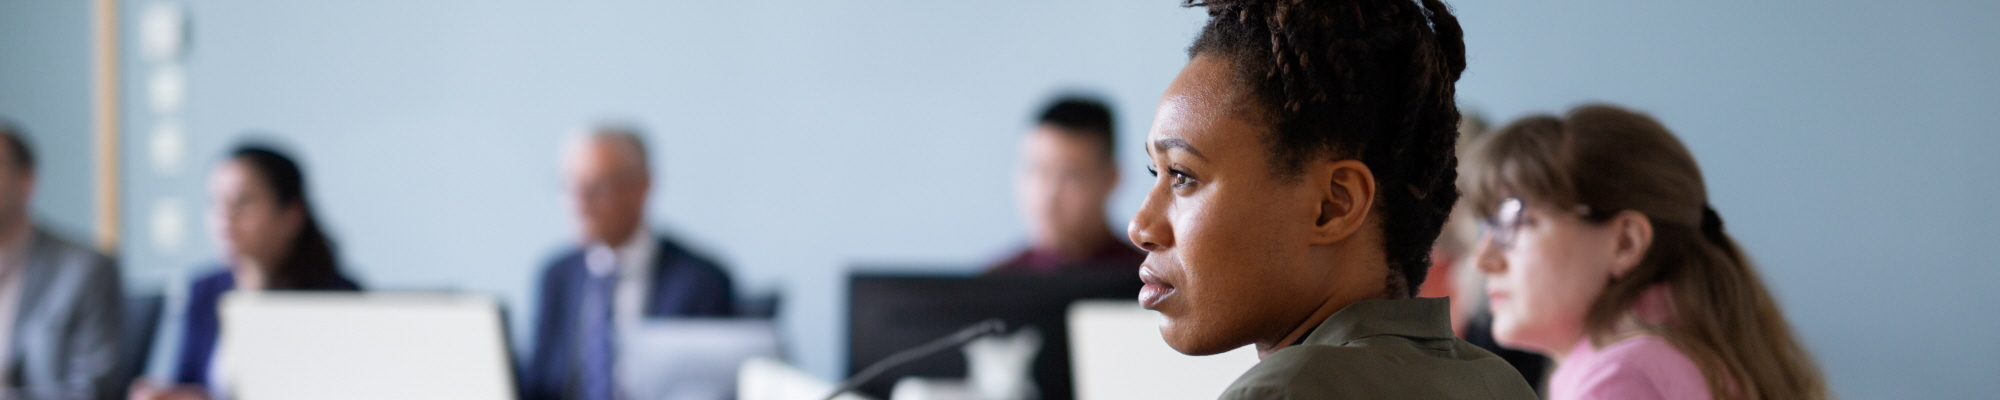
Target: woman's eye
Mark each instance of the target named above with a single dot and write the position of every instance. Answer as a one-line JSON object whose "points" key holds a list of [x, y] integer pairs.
{"points": [[1181, 179]]}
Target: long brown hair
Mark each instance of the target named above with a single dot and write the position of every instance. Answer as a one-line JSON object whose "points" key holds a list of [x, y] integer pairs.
{"points": [[1611, 159], [312, 262]]}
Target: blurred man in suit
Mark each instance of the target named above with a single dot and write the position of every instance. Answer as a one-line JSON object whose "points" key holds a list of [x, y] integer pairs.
{"points": [[619, 275], [1069, 169], [60, 303]]}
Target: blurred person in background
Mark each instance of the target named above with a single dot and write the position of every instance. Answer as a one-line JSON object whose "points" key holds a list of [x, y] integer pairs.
{"points": [[1603, 252], [620, 273], [1455, 275], [1068, 170], [1304, 167], [60, 302], [269, 239], [1449, 277]]}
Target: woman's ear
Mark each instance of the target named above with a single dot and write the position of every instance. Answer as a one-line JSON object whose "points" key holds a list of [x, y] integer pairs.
{"points": [[1345, 192], [1634, 236]]}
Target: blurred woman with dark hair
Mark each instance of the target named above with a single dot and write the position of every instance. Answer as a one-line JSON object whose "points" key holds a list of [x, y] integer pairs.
{"points": [[269, 239], [1603, 252]]}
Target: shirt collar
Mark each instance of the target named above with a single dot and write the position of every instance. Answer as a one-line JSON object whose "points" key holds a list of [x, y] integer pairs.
{"points": [[636, 252], [1428, 318]]}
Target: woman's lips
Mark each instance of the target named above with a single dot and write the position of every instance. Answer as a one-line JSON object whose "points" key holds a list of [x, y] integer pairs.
{"points": [[1155, 291]]}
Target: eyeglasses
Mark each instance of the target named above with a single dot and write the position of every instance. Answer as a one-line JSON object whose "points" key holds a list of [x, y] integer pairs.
{"points": [[1505, 224]]}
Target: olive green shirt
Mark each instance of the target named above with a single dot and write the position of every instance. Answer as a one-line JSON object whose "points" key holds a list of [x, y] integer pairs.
{"points": [[1383, 349]]}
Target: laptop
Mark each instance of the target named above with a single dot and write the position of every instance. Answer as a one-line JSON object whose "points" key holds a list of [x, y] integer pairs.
{"points": [[377, 345], [691, 358], [1118, 353]]}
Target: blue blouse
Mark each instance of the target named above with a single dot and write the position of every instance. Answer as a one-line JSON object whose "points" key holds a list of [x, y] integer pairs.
{"points": [[201, 325]]}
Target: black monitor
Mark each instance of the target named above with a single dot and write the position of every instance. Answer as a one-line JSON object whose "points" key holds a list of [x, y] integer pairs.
{"points": [[891, 312]]}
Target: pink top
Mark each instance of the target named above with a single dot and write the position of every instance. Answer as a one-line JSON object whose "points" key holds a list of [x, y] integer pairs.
{"points": [[1642, 367]]}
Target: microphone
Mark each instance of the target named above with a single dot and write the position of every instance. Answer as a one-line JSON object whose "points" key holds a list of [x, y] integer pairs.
{"points": [[983, 328]]}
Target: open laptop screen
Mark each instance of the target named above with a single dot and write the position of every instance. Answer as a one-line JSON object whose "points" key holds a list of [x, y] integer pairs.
{"points": [[304, 345]]}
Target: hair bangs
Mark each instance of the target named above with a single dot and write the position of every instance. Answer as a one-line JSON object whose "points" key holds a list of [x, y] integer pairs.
{"points": [[1526, 159]]}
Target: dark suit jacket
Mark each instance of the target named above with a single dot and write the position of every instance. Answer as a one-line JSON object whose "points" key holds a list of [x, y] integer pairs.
{"points": [[201, 324], [683, 285]]}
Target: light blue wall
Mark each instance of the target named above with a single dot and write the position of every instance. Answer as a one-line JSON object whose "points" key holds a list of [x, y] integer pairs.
{"points": [[45, 87], [1841, 140], [795, 139]]}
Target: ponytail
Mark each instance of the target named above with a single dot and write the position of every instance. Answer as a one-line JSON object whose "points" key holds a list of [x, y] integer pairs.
{"points": [[1711, 224], [1726, 321], [311, 262]]}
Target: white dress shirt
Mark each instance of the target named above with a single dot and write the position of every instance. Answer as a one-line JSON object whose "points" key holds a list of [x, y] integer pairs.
{"points": [[633, 261]]}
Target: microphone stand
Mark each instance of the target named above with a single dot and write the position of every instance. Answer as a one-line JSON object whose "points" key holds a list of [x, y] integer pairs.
{"points": [[981, 329]]}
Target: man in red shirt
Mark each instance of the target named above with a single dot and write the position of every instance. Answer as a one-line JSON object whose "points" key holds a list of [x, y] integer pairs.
{"points": [[1068, 172]]}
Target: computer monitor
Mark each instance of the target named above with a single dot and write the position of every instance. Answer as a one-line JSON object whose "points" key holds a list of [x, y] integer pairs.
{"points": [[319, 345], [891, 312], [691, 358]]}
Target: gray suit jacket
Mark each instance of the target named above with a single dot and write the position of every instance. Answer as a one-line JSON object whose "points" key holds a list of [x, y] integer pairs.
{"points": [[66, 332]]}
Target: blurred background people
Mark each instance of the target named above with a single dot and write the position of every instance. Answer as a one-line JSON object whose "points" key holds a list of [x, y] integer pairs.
{"points": [[1455, 275], [269, 239], [1604, 253], [1449, 276], [619, 274], [1067, 174], [1300, 186], [60, 302], [836, 137]]}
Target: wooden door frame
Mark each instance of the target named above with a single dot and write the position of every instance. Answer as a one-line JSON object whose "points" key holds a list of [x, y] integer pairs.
{"points": [[105, 116]]}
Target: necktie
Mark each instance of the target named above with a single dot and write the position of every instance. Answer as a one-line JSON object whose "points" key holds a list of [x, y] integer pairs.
{"points": [[596, 338]]}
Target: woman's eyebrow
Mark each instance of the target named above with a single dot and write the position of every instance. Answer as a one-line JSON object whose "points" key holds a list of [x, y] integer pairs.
{"points": [[1163, 145]]}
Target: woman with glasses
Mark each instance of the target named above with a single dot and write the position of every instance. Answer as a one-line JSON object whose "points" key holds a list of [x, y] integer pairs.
{"points": [[1602, 251]]}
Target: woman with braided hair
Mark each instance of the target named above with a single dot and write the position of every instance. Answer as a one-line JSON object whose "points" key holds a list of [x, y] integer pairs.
{"points": [[1304, 164], [1603, 252]]}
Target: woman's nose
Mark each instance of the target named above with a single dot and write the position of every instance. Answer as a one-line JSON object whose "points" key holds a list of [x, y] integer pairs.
{"points": [[1149, 229], [1486, 256]]}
